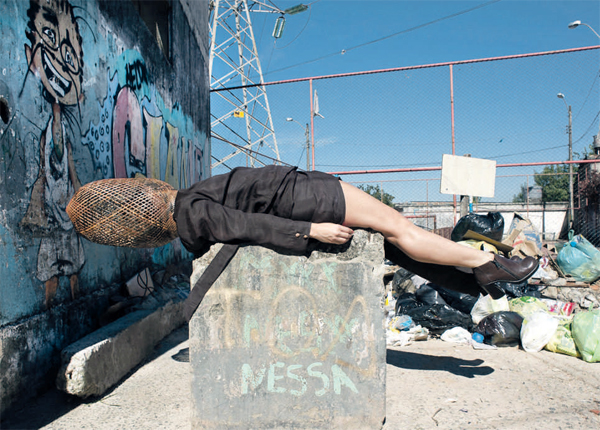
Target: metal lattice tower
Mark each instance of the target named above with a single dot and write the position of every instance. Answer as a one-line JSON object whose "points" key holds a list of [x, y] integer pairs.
{"points": [[239, 114]]}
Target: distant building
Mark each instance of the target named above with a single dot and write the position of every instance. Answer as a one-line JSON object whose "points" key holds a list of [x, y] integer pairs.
{"points": [[587, 199]]}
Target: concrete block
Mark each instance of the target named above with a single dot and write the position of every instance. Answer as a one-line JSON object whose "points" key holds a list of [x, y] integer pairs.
{"points": [[98, 361], [284, 341]]}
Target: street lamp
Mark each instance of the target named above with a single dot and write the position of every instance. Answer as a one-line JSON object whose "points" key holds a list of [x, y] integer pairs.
{"points": [[307, 133], [570, 132], [577, 23]]}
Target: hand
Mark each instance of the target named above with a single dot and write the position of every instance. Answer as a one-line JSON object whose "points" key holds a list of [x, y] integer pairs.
{"points": [[327, 232]]}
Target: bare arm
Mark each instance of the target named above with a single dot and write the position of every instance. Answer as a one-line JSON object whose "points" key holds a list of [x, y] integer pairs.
{"points": [[330, 233]]}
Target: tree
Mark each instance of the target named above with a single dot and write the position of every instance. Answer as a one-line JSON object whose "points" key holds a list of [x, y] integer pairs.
{"points": [[585, 154], [554, 181], [376, 192], [589, 186], [521, 196]]}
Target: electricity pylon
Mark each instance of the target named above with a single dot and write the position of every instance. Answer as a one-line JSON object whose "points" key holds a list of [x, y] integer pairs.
{"points": [[241, 123]]}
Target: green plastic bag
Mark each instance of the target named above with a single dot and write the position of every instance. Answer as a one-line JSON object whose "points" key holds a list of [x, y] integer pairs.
{"points": [[586, 334], [526, 306], [562, 342]]}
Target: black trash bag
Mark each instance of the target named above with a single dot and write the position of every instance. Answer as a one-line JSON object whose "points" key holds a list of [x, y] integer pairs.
{"points": [[500, 328], [429, 295], [402, 281], [439, 318], [515, 290], [406, 302], [460, 301], [490, 225]]}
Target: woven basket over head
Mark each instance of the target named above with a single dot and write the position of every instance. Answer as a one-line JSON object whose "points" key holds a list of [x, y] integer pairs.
{"points": [[132, 212]]}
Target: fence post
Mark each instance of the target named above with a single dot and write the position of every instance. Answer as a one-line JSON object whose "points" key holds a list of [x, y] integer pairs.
{"points": [[464, 201], [312, 123], [452, 131]]}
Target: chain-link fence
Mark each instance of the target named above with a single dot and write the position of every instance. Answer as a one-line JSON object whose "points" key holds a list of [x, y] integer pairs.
{"points": [[386, 131]]}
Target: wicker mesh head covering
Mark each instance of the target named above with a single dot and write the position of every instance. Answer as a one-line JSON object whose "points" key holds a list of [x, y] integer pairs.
{"points": [[133, 212]]}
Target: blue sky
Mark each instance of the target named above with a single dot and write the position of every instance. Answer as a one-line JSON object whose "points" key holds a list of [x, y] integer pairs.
{"points": [[505, 27], [506, 111]]}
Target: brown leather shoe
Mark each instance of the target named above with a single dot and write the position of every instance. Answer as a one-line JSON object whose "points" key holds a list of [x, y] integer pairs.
{"points": [[502, 269]]}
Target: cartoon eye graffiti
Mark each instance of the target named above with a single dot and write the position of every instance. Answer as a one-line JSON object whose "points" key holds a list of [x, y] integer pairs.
{"points": [[70, 58], [49, 36]]}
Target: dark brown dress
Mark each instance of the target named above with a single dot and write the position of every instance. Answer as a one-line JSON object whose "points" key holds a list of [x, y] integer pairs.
{"points": [[274, 206], [271, 206]]}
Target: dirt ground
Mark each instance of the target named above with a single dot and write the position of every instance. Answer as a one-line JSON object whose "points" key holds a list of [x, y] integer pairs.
{"points": [[435, 384], [430, 385]]}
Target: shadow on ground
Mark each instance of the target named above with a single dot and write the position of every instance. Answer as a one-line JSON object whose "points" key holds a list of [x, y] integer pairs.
{"points": [[41, 411], [456, 366], [53, 404]]}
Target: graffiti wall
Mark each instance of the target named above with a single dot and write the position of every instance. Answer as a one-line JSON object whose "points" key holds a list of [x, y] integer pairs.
{"points": [[87, 93]]}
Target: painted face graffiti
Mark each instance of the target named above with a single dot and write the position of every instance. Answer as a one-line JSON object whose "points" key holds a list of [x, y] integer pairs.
{"points": [[56, 58], [55, 54]]}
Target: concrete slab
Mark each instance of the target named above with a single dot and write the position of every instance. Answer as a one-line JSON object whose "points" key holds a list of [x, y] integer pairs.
{"points": [[98, 361]]}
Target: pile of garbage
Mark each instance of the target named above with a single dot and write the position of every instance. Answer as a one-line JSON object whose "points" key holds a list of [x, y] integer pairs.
{"points": [[526, 316], [530, 322]]}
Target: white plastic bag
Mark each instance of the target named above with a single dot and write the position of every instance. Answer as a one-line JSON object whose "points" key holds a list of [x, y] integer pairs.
{"points": [[405, 338], [461, 335], [485, 306], [537, 330], [456, 335]]}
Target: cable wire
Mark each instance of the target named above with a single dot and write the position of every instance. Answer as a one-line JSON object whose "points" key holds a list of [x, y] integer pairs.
{"points": [[435, 21]]}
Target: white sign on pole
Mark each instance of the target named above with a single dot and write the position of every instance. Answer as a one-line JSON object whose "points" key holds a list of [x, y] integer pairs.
{"points": [[468, 176]]}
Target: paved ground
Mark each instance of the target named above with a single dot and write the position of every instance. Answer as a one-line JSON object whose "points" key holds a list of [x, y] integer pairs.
{"points": [[430, 385]]}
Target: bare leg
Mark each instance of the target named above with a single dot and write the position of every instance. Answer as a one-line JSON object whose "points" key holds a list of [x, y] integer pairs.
{"points": [[364, 211]]}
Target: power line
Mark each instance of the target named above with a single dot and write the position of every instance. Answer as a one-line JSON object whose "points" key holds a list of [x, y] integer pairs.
{"points": [[525, 152], [589, 128], [435, 21], [430, 163], [254, 154], [588, 94]]}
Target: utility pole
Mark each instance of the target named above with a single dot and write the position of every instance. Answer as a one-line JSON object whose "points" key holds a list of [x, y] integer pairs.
{"points": [[571, 205], [570, 133], [307, 134]]}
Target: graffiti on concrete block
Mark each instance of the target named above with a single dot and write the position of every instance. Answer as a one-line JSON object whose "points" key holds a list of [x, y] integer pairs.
{"points": [[295, 324], [296, 380]]}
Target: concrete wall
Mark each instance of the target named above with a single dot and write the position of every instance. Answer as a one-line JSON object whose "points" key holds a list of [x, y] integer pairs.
{"points": [[86, 93]]}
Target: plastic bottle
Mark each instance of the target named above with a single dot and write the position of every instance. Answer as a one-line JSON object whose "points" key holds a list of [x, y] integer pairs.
{"points": [[477, 337]]}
